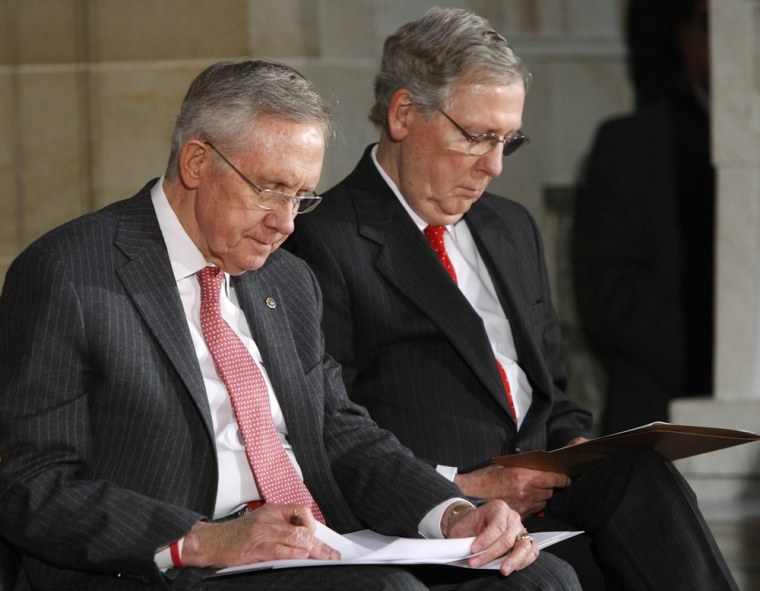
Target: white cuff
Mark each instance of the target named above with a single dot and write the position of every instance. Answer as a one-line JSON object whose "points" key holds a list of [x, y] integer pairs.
{"points": [[449, 472], [430, 526]]}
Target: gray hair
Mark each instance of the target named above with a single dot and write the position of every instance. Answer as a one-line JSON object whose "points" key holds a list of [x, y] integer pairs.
{"points": [[432, 55], [224, 101]]}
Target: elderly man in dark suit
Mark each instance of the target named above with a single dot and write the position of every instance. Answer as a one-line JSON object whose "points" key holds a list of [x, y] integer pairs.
{"points": [[437, 306], [166, 402]]}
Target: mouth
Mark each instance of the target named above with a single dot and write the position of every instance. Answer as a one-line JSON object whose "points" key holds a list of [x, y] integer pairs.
{"points": [[471, 192], [261, 245]]}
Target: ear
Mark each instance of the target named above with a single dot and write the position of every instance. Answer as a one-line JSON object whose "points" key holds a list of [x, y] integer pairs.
{"points": [[193, 156], [399, 111]]}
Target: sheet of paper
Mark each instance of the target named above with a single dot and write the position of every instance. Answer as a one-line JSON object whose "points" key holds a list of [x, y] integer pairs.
{"points": [[368, 547]]}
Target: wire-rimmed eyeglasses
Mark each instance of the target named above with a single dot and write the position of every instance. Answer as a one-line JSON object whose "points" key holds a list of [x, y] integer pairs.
{"points": [[270, 199], [485, 142]]}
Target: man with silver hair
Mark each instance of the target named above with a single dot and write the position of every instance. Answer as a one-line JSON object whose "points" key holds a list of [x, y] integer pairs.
{"points": [[167, 405], [437, 306]]}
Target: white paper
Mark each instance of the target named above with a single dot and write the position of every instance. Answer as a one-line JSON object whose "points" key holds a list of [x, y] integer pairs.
{"points": [[369, 547]]}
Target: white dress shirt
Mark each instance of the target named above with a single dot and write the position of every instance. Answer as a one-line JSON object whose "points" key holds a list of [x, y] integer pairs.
{"points": [[476, 284]]}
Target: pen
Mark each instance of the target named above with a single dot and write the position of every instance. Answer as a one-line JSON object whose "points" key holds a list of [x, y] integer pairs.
{"points": [[295, 519]]}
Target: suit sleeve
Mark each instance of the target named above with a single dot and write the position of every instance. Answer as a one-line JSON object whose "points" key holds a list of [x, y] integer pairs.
{"points": [[383, 483], [51, 503]]}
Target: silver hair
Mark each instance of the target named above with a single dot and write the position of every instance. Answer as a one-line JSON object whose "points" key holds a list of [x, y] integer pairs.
{"points": [[225, 100], [431, 56]]}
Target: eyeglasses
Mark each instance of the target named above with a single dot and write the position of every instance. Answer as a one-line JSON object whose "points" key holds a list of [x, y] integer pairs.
{"points": [[274, 200], [485, 142]]}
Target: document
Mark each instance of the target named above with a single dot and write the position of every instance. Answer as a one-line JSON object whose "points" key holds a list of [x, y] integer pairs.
{"points": [[368, 547], [672, 441]]}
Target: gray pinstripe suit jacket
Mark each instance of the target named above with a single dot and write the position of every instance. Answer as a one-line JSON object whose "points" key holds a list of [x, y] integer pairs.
{"points": [[105, 433], [413, 350]]}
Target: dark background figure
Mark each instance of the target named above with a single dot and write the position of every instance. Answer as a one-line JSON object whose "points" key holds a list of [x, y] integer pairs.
{"points": [[643, 250]]}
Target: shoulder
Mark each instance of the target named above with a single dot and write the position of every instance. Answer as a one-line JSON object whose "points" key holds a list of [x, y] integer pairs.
{"points": [[652, 119], [508, 212], [79, 243]]}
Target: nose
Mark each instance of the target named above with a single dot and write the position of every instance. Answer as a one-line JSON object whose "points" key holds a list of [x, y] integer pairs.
{"points": [[281, 220], [492, 161]]}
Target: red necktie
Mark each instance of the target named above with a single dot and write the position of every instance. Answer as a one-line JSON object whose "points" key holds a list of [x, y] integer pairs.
{"points": [[434, 235], [275, 475]]}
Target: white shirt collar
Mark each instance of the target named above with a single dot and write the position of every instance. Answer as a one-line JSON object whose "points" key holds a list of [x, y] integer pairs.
{"points": [[184, 255]]}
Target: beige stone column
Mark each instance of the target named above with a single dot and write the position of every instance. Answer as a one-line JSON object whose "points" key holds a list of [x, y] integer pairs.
{"points": [[733, 474]]}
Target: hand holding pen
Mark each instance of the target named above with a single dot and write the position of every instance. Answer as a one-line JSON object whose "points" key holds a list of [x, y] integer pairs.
{"points": [[268, 533]]}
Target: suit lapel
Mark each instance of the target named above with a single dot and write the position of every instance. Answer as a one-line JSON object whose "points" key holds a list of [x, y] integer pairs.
{"points": [[260, 298], [410, 265], [494, 237], [148, 279]]}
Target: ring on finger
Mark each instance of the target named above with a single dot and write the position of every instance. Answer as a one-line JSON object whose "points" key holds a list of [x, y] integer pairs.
{"points": [[524, 535]]}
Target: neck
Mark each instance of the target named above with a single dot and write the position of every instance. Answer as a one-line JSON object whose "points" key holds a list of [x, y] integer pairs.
{"points": [[182, 201], [388, 153]]}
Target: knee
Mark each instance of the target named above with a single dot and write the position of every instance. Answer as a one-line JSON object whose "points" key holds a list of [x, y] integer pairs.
{"points": [[632, 466], [388, 578], [547, 573], [562, 575]]}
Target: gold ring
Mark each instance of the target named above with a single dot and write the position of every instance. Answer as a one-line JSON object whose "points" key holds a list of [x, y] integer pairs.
{"points": [[524, 536]]}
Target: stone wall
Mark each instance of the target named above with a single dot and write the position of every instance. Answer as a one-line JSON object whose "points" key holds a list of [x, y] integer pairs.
{"points": [[89, 88]]}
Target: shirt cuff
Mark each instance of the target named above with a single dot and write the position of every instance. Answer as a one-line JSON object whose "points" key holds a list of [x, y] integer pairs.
{"points": [[449, 472], [163, 558], [430, 525]]}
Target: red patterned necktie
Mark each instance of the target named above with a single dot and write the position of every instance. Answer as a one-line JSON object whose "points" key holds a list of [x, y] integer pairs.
{"points": [[275, 475], [434, 235]]}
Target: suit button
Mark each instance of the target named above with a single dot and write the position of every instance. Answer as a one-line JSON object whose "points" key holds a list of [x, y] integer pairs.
{"points": [[516, 449]]}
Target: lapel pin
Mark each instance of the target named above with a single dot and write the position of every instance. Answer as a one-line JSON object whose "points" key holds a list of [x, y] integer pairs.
{"points": [[271, 303]]}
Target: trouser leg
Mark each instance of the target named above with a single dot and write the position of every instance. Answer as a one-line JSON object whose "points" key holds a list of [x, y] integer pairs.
{"points": [[645, 524], [546, 573], [576, 551]]}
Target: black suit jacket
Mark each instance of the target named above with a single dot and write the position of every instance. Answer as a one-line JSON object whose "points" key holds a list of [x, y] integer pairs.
{"points": [[105, 432], [413, 350], [643, 259]]}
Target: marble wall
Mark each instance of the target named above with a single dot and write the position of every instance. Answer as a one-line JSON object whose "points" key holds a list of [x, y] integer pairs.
{"points": [[735, 29], [89, 88]]}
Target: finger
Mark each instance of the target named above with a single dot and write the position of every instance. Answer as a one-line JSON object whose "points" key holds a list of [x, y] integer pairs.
{"points": [[303, 520], [522, 554], [322, 551], [298, 542], [551, 480], [490, 549], [540, 494], [492, 540]]}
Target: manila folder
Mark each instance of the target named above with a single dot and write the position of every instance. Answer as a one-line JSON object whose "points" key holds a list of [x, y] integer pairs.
{"points": [[672, 441]]}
